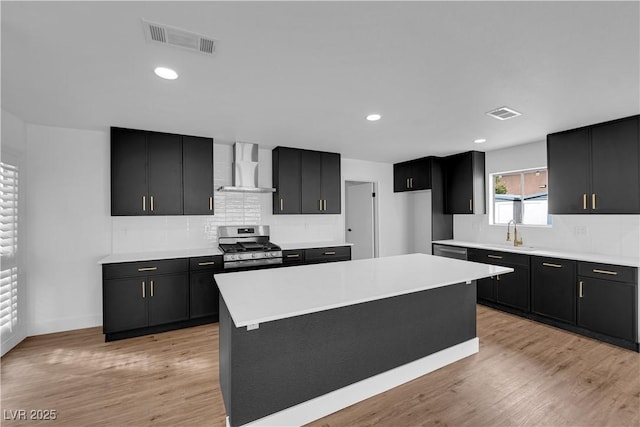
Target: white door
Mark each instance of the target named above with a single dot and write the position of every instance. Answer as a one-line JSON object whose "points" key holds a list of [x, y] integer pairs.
{"points": [[359, 221]]}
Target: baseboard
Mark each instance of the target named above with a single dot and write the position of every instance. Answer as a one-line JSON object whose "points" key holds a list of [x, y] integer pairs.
{"points": [[63, 325], [329, 403]]}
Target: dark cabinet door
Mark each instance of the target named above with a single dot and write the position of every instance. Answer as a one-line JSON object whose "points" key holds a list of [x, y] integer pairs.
{"points": [[615, 154], [420, 174], [568, 168], [197, 170], [168, 298], [331, 183], [128, 172], [512, 289], [464, 183], [607, 307], [553, 290], [487, 289], [204, 296], [401, 175], [165, 173], [124, 304], [310, 181], [286, 180]]}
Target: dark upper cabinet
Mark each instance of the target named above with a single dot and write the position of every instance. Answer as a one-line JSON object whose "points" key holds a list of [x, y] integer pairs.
{"points": [[465, 183], [155, 173], [164, 153], [286, 180], [128, 172], [595, 169], [197, 172], [412, 175], [306, 182], [553, 290]]}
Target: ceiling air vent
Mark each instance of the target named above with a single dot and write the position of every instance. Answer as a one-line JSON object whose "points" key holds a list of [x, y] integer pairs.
{"points": [[503, 113], [165, 34]]}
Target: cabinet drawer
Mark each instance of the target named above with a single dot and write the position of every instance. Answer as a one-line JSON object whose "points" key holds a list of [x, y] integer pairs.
{"points": [[213, 262], [293, 256], [497, 257], [616, 273], [337, 253], [144, 268]]}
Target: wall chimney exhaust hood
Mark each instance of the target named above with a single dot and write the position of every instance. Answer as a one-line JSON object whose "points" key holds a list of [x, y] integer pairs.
{"points": [[245, 170]]}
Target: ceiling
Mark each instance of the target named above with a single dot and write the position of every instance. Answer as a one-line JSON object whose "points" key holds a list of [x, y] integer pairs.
{"points": [[305, 74]]}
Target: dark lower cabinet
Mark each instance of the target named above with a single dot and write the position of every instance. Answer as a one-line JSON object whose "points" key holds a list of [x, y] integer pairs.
{"points": [[143, 301], [511, 289], [204, 294], [293, 257], [124, 304], [328, 254], [168, 298], [607, 299], [553, 290], [141, 295]]}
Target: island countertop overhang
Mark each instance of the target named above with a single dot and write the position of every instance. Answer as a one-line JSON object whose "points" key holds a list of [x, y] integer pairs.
{"points": [[259, 296]]}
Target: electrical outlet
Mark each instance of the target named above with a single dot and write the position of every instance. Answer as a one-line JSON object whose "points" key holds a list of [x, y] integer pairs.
{"points": [[580, 230]]}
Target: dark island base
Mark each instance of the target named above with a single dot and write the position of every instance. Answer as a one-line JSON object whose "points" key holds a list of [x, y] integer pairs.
{"points": [[114, 336], [619, 342], [289, 361]]}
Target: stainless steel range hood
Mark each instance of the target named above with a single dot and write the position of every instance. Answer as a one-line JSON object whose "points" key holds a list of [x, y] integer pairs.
{"points": [[245, 170]]}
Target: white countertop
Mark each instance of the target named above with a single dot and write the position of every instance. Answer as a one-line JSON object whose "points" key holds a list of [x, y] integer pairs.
{"points": [[188, 253], [552, 253], [310, 245], [154, 255], [259, 296]]}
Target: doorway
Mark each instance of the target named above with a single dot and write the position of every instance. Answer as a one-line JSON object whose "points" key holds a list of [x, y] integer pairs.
{"points": [[360, 219]]}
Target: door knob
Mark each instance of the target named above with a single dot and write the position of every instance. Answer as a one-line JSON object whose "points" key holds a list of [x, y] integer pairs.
{"points": [[348, 229]]}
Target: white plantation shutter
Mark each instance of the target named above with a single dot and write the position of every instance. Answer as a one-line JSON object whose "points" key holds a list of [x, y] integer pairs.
{"points": [[8, 248]]}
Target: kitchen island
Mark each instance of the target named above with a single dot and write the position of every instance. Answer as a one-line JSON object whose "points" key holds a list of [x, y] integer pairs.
{"points": [[301, 342]]}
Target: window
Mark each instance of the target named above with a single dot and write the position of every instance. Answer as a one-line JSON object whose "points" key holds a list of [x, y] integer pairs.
{"points": [[8, 249], [520, 196]]}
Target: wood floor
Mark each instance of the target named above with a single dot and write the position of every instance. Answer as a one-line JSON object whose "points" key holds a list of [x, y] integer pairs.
{"points": [[525, 374]]}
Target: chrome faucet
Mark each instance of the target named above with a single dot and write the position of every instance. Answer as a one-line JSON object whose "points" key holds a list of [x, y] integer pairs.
{"points": [[516, 241]]}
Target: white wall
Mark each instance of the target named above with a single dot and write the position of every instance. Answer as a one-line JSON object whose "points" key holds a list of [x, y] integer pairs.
{"points": [[617, 235], [13, 150], [69, 228]]}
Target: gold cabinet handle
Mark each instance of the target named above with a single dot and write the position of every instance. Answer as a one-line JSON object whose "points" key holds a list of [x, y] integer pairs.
{"points": [[498, 278], [408, 183], [593, 201], [151, 203], [147, 268], [293, 256], [330, 253], [143, 285], [584, 201], [281, 204], [580, 294], [325, 204], [144, 203], [548, 264], [494, 256], [207, 263], [152, 288], [470, 205], [611, 273], [210, 203], [319, 204]]}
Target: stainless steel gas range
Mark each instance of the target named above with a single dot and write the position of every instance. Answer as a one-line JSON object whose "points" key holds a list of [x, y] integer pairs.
{"points": [[247, 246]]}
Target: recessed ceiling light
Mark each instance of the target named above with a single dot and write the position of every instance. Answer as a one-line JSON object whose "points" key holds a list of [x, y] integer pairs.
{"points": [[479, 140], [374, 117], [166, 73]]}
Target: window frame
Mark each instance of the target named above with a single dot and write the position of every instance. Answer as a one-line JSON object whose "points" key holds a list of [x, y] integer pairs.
{"points": [[491, 193]]}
